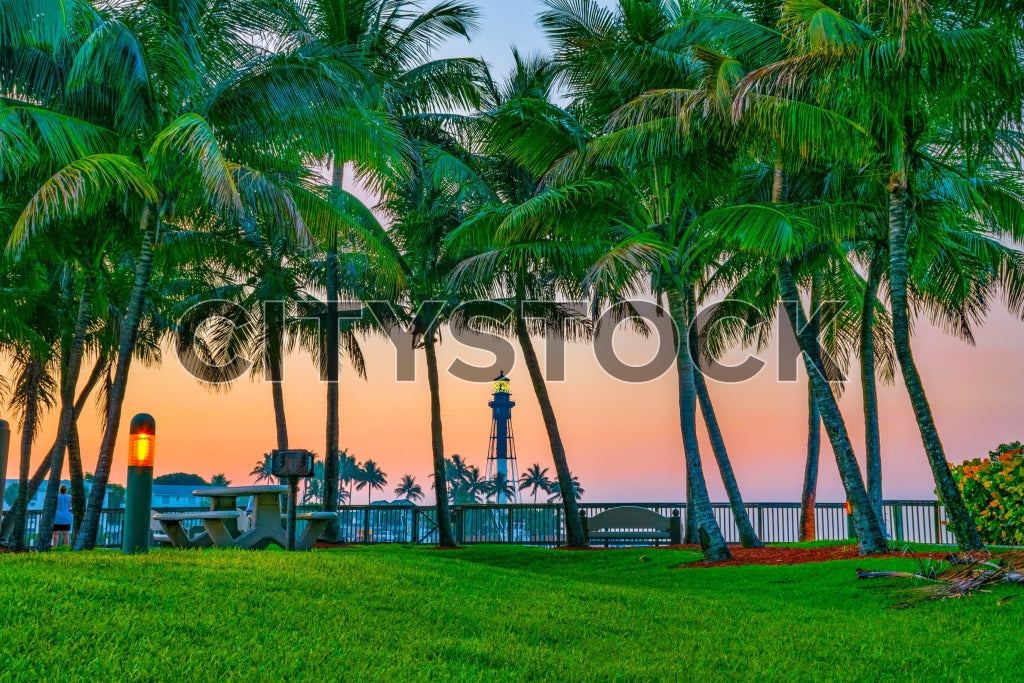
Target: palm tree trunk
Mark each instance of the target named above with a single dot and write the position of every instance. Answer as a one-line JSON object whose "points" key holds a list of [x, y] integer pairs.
{"points": [[712, 540], [872, 442], [44, 467], [690, 535], [275, 358], [333, 350], [67, 414], [961, 524], [574, 535], [126, 346], [809, 495], [77, 480], [870, 538], [333, 530], [748, 537], [444, 521], [33, 378]]}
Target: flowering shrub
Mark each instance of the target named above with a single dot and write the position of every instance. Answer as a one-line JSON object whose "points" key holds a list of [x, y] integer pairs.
{"points": [[993, 489]]}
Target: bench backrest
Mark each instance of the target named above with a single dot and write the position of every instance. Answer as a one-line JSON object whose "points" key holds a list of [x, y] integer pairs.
{"points": [[628, 517]]}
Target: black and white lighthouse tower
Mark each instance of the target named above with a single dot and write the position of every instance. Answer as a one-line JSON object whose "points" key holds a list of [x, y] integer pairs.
{"points": [[501, 453]]}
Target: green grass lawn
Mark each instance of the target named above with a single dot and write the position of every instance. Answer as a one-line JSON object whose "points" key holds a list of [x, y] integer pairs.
{"points": [[480, 613]]}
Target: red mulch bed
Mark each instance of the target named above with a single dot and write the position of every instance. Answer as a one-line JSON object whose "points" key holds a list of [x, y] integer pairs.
{"points": [[775, 555]]}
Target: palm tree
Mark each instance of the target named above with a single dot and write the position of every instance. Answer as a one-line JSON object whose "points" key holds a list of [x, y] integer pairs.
{"points": [[409, 489], [577, 492], [263, 471], [370, 477], [455, 471], [349, 468], [535, 479], [522, 278], [220, 480], [472, 488], [660, 88], [388, 44], [500, 488], [425, 202]]}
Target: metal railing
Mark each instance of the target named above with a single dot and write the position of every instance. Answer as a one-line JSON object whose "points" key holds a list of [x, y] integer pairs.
{"points": [[916, 521]]}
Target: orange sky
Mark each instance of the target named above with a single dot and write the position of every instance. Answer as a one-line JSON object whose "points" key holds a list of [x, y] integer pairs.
{"points": [[622, 439]]}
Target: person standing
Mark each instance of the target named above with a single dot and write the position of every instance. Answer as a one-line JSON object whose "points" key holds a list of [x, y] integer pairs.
{"points": [[63, 518]]}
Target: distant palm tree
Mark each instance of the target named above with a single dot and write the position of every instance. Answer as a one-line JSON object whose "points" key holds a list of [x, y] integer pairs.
{"points": [[370, 477], [577, 491], [348, 468], [472, 487], [263, 470], [455, 471], [535, 479], [313, 487], [220, 480], [409, 489], [500, 488]]}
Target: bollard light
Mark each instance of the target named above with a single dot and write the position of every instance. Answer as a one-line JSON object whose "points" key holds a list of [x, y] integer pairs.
{"points": [[139, 490]]}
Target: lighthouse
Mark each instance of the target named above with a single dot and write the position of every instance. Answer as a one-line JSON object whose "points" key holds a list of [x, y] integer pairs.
{"points": [[501, 453]]}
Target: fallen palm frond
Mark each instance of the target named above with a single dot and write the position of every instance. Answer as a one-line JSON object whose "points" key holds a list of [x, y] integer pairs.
{"points": [[957, 576]]}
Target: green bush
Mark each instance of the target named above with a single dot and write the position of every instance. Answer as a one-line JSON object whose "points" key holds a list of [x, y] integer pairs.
{"points": [[993, 489]]}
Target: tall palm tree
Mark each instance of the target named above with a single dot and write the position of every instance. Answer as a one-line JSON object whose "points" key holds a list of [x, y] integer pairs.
{"points": [[409, 489], [388, 43], [425, 201], [535, 479], [660, 84], [370, 477], [524, 277]]}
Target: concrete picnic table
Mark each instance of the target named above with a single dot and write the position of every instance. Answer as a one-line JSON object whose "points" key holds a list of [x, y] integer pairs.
{"points": [[266, 526]]}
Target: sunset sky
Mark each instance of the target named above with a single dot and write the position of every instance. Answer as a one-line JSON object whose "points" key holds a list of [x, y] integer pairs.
{"points": [[622, 440]]}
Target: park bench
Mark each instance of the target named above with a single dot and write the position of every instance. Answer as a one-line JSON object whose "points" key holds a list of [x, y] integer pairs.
{"points": [[633, 526]]}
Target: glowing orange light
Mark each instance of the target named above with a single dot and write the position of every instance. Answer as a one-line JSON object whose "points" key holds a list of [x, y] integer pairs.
{"points": [[141, 448], [849, 507], [142, 441]]}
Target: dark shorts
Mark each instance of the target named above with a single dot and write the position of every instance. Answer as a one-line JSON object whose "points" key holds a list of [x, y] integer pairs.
{"points": [[62, 527]]}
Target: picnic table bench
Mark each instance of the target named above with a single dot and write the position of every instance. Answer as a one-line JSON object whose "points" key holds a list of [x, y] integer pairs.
{"points": [[265, 528], [631, 524], [217, 526]]}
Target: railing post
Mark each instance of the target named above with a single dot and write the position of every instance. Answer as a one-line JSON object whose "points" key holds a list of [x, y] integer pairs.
{"points": [[760, 522], [366, 524], [415, 526], [938, 523], [511, 523], [5, 442], [675, 528], [897, 522], [459, 522]]}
